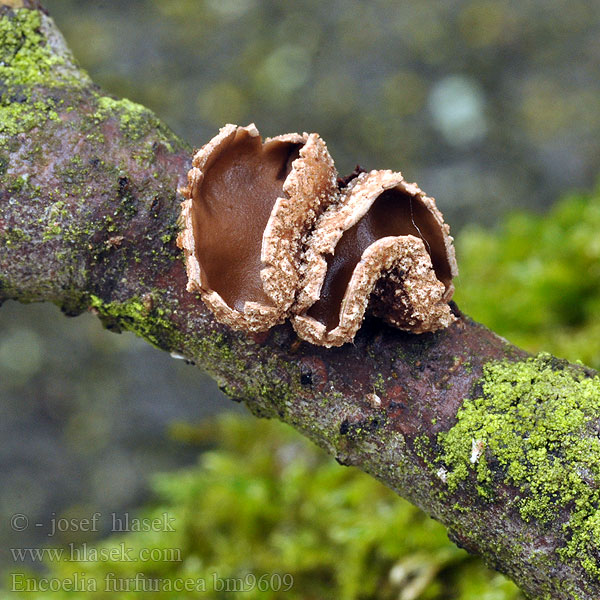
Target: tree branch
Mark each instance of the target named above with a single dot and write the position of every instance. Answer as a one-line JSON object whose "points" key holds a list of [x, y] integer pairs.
{"points": [[88, 220]]}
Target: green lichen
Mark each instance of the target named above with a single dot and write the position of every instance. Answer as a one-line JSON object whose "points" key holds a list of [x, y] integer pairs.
{"points": [[271, 385], [14, 236], [74, 172], [132, 116], [20, 46], [54, 217], [15, 184], [536, 424], [140, 316], [379, 384], [27, 63], [135, 121], [18, 118], [51, 231]]}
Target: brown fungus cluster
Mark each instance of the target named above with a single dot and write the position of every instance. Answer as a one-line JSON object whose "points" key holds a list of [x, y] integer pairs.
{"points": [[269, 234]]}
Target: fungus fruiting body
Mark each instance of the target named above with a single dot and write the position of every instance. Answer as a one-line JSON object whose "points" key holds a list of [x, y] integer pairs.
{"points": [[269, 233], [384, 243]]}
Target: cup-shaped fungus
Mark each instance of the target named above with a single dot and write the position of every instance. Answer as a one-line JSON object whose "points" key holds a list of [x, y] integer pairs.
{"points": [[248, 205], [268, 234], [383, 243]]}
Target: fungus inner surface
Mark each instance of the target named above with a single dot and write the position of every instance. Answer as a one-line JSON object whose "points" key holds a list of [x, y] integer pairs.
{"points": [[394, 213], [231, 207]]}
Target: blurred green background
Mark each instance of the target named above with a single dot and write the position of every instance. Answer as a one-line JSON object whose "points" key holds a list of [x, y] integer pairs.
{"points": [[492, 106]]}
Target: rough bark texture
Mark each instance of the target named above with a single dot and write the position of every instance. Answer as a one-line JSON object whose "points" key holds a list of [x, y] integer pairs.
{"points": [[88, 220]]}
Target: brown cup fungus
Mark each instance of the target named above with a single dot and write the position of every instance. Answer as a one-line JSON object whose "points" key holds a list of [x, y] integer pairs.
{"points": [[248, 206], [267, 234], [385, 243]]}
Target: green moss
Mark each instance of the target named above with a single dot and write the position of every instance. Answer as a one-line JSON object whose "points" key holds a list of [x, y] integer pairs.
{"points": [[545, 268], [264, 501], [535, 422]]}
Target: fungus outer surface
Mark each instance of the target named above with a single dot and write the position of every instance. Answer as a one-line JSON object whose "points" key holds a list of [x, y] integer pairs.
{"points": [[233, 185], [375, 206], [270, 232], [416, 298], [308, 190]]}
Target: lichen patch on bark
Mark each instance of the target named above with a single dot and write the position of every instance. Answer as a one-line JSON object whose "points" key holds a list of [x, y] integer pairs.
{"points": [[535, 425]]}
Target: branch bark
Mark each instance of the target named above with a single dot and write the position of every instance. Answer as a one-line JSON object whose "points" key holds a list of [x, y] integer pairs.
{"points": [[88, 220]]}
